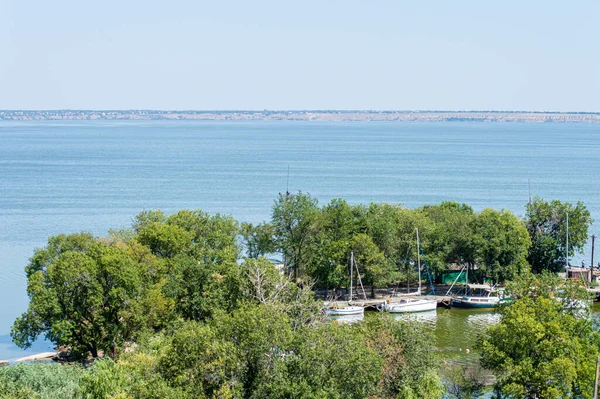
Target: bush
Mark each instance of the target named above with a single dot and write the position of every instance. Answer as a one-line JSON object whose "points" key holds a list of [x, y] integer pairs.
{"points": [[40, 381]]}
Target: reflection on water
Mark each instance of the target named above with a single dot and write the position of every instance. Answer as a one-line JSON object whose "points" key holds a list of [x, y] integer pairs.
{"points": [[429, 317], [455, 331], [348, 319]]}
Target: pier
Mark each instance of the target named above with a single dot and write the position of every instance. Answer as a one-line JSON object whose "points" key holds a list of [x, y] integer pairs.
{"points": [[442, 301]]}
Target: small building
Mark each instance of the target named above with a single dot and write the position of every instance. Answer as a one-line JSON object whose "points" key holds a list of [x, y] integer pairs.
{"points": [[579, 273]]}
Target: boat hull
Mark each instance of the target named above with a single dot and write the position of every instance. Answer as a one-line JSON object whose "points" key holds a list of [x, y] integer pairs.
{"points": [[350, 310], [463, 304], [411, 307]]}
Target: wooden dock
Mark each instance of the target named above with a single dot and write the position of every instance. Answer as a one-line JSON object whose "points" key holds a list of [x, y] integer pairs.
{"points": [[443, 301]]}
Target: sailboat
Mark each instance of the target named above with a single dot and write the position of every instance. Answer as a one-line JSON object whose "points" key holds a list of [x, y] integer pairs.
{"points": [[411, 305], [348, 310]]}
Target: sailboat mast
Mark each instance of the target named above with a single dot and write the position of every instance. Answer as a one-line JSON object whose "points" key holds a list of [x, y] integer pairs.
{"points": [[567, 253], [351, 267], [419, 259]]}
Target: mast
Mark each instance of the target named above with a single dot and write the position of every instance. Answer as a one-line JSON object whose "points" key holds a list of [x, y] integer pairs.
{"points": [[419, 259], [351, 267], [467, 280], [567, 253]]}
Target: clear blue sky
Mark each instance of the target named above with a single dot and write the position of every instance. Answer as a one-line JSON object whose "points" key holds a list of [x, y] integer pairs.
{"points": [[325, 54]]}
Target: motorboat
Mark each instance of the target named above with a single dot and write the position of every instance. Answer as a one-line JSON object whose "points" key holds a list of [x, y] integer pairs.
{"points": [[477, 296]]}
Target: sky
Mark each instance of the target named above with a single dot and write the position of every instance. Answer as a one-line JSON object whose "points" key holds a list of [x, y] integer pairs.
{"points": [[323, 54]]}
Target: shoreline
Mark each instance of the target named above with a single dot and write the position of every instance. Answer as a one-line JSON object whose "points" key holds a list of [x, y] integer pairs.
{"points": [[300, 115]]}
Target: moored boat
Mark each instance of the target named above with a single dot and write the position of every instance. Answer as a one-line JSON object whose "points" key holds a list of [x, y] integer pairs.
{"points": [[410, 305], [346, 311], [477, 296]]}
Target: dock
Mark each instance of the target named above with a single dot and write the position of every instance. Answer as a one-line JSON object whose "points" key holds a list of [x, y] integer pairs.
{"points": [[442, 301]]}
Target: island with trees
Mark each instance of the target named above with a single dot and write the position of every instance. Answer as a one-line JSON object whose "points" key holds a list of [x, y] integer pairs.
{"points": [[187, 305]]}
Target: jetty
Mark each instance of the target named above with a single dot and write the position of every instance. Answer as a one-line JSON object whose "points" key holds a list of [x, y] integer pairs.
{"points": [[442, 301]]}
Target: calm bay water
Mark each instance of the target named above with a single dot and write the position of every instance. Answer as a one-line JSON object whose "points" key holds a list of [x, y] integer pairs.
{"points": [[58, 177]]}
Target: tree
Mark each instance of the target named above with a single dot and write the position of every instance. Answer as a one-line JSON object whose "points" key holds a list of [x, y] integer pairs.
{"points": [[335, 226], [294, 222], [547, 226], [84, 297], [375, 269], [330, 361], [202, 363], [199, 288], [502, 243], [213, 238], [450, 237], [165, 240], [258, 240], [267, 285], [409, 368], [540, 351], [464, 382]]}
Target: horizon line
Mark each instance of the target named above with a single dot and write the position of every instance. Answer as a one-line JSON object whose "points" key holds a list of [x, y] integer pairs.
{"points": [[297, 110]]}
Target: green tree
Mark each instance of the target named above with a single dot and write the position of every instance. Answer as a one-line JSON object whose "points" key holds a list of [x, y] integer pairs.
{"points": [[85, 297], [450, 238], [165, 240], [134, 376], [409, 368], [331, 361], [213, 238], [336, 224], [202, 363], [375, 269], [294, 222], [502, 244], [540, 351], [258, 240], [547, 226], [199, 288]]}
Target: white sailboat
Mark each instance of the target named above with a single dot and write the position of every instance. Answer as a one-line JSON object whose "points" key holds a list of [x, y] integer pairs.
{"points": [[411, 305], [348, 310]]}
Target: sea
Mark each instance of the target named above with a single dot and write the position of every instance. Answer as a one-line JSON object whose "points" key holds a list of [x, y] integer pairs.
{"points": [[71, 176]]}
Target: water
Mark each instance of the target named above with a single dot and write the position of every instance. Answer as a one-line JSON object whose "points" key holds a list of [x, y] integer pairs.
{"points": [[58, 177]]}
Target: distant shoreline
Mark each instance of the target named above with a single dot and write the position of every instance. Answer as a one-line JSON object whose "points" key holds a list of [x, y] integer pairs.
{"points": [[307, 115]]}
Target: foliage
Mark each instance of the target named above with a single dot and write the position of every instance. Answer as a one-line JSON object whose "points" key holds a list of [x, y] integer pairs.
{"points": [[267, 285], [199, 288], [375, 269], [547, 226], [450, 239], [258, 240], [540, 351], [409, 368], [331, 361], [294, 222], [86, 297], [177, 311], [502, 243], [463, 382], [39, 381], [135, 376]]}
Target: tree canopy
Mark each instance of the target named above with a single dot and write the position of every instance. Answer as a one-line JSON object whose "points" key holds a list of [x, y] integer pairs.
{"points": [[542, 348], [547, 226]]}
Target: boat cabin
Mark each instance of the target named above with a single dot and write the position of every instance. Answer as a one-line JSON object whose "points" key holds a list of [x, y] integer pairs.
{"points": [[477, 296]]}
